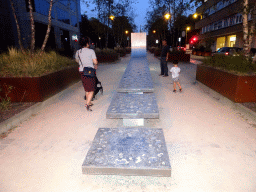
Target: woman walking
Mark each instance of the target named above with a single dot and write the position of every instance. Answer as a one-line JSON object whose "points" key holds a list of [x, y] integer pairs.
{"points": [[87, 62]]}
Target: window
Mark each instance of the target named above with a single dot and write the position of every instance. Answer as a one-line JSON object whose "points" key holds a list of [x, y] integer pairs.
{"points": [[64, 2], [63, 16], [74, 21], [231, 21], [73, 5], [225, 22], [220, 5], [240, 18], [219, 24], [42, 7], [215, 26]]}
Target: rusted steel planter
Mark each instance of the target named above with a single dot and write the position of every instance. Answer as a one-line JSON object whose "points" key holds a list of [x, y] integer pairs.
{"points": [[179, 57], [199, 53], [37, 89], [239, 89], [157, 53], [206, 53]]}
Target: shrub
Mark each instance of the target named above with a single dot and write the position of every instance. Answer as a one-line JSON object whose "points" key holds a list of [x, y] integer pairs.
{"points": [[15, 64], [175, 51], [120, 50], [235, 64], [106, 55]]}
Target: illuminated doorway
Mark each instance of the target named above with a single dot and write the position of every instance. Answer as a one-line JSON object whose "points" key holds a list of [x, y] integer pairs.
{"points": [[231, 40], [220, 43]]}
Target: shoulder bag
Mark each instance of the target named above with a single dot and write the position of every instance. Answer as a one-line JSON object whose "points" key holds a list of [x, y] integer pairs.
{"points": [[88, 71]]}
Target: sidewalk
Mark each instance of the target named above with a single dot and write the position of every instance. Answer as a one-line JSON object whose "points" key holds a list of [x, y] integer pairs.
{"points": [[211, 143]]}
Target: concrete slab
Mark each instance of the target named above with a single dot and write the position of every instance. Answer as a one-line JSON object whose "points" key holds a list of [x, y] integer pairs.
{"points": [[136, 77], [133, 106], [133, 122], [128, 151]]}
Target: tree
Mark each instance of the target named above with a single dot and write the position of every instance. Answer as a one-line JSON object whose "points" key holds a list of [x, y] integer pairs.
{"points": [[32, 27], [160, 7], [48, 27], [120, 25], [18, 27], [105, 8]]}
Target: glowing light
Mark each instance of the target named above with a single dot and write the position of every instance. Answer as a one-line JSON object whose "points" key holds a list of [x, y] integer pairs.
{"points": [[195, 15], [112, 17], [167, 16]]}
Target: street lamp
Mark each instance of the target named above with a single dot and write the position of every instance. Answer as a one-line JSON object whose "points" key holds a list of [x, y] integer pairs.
{"points": [[154, 31], [196, 15], [167, 16], [187, 29], [126, 32], [112, 17]]}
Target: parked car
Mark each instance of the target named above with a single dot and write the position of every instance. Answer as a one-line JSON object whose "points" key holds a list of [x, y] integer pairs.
{"points": [[181, 48], [233, 51]]}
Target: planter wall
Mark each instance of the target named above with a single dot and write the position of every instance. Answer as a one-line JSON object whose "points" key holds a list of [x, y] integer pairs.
{"points": [[179, 57], [239, 89], [206, 54], [199, 53], [107, 58], [36, 89], [157, 53]]}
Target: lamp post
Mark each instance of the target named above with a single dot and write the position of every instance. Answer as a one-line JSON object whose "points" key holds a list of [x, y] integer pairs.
{"points": [[127, 38], [187, 29], [112, 18], [99, 41], [167, 16]]}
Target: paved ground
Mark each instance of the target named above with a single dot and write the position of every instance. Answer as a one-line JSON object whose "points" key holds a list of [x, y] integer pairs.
{"points": [[211, 145]]}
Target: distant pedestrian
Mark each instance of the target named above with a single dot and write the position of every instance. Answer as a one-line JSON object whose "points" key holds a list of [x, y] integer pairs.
{"points": [[86, 58], [164, 58], [175, 70]]}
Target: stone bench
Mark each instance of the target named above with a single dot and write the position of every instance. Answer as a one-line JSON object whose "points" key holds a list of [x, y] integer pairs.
{"points": [[128, 151], [137, 77], [133, 106]]}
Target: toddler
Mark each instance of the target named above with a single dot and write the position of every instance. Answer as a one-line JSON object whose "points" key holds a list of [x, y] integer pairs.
{"points": [[175, 70]]}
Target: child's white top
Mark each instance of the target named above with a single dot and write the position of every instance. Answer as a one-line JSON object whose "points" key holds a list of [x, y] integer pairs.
{"points": [[175, 72]]}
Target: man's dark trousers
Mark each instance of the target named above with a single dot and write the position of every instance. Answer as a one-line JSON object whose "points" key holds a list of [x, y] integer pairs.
{"points": [[164, 68]]}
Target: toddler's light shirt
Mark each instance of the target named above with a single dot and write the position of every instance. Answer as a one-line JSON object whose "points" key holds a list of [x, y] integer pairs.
{"points": [[175, 72]]}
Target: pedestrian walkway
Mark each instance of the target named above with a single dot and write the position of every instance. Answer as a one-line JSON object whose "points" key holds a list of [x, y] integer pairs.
{"points": [[211, 145]]}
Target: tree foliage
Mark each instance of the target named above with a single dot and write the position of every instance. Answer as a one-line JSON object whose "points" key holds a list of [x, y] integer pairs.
{"points": [[177, 23]]}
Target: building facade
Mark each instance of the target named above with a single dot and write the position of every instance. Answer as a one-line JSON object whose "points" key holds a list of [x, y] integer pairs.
{"points": [[66, 15], [222, 22]]}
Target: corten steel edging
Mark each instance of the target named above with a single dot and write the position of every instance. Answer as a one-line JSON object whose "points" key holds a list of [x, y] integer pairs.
{"points": [[37, 89], [239, 89]]}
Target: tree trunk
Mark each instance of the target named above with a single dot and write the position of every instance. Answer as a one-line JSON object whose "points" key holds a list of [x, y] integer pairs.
{"points": [[48, 28], [245, 28], [18, 28], [32, 25], [252, 29]]}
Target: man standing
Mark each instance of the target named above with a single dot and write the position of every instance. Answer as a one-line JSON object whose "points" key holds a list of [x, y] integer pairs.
{"points": [[164, 58]]}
